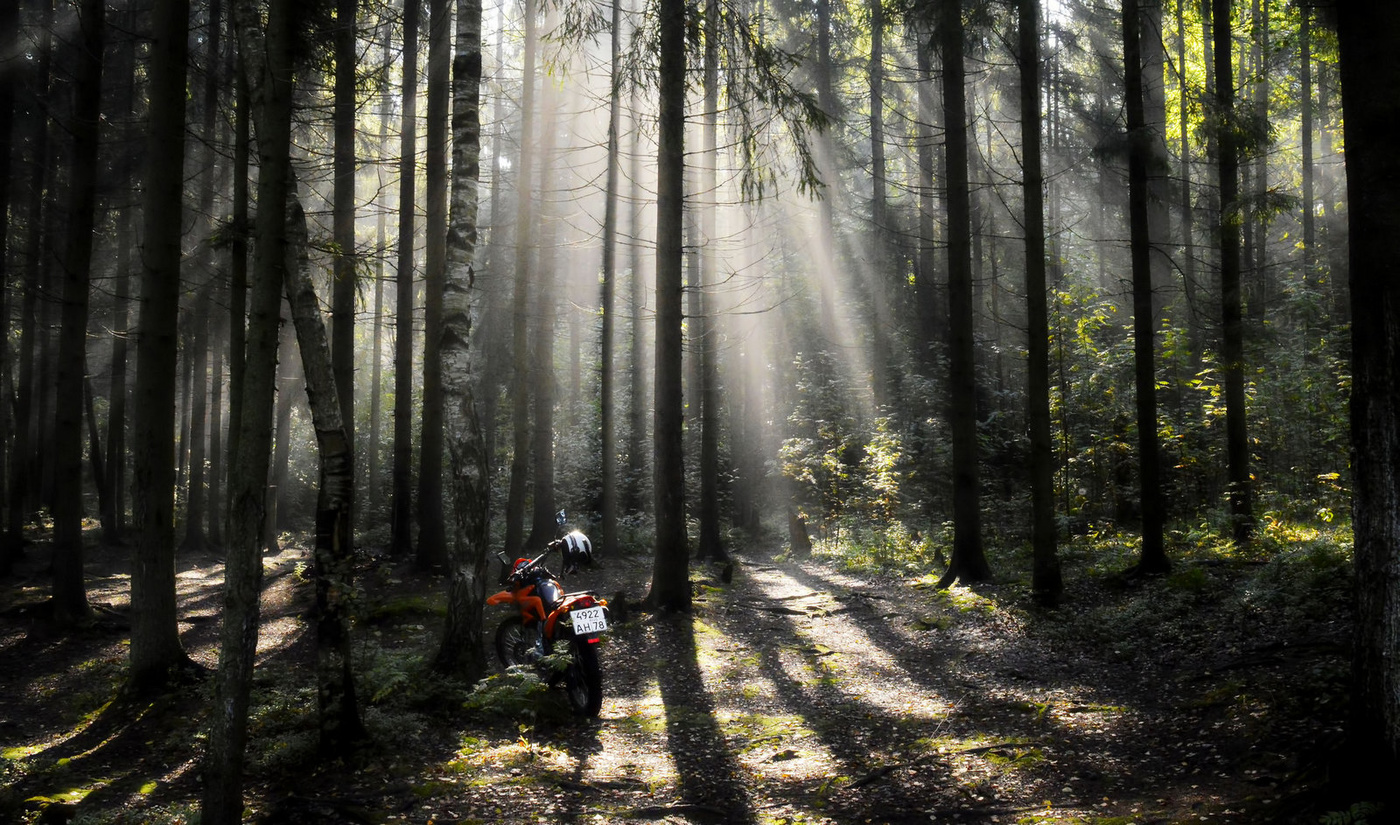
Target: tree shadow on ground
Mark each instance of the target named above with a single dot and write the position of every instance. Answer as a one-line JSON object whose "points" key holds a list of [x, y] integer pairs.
{"points": [[889, 770], [1091, 718], [123, 750], [712, 785]]}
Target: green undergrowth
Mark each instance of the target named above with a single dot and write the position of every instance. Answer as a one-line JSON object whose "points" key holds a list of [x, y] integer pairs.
{"points": [[1304, 563], [1290, 582]]}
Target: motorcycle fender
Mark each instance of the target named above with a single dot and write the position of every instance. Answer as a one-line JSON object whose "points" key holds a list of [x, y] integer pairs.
{"points": [[531, 606], [500, 598], [570, 604], [551, 624]]}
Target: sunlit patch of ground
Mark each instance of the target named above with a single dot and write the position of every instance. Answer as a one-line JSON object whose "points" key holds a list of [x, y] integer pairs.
{"points": [[793, 694], [629, 751], [832, 647]]}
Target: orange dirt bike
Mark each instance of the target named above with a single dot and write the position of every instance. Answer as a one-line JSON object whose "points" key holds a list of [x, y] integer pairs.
{"points": [[550, 620]]}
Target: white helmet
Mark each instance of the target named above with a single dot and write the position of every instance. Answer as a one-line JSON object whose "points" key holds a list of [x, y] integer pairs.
{"points": [[576, 550]]}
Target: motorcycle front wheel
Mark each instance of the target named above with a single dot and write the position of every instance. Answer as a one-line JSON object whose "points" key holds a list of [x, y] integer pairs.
{"points": [[514, 642], [583, 681]]}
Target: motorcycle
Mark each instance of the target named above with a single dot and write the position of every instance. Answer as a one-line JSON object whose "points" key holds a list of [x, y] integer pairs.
{"points": [[549, 619]]}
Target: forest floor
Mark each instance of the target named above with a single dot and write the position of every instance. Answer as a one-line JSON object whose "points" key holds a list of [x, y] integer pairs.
{"points": [[799, 691]]}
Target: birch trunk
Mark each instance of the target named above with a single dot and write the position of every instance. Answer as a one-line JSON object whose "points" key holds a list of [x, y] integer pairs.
{"points": [[463, 648], [340, 724]]}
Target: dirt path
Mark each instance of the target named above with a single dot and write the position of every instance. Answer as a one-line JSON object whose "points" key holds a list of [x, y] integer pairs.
{"points": [[793, 694], [799, 694]]}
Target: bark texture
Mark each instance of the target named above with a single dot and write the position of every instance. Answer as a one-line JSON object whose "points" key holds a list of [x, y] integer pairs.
{"points": [[1153, 558], [334, 551], [464, 642], [155, 640], [1231, 303], [432, 536], [969, 563], [69, 594], [670, 581], [267, 56], [1370, 65], [1045, 573]]}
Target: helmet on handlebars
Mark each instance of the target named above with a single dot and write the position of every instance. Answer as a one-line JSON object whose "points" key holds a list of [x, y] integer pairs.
{"points": [[577, 550]]}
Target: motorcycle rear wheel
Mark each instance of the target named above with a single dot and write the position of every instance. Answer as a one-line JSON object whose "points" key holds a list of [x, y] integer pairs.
{"points": [[583, 681], [514, 642]]}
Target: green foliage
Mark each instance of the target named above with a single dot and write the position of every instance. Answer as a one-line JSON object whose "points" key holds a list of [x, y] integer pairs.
{"points": [[1359, 813], [400, 607], [282, 725], [516, 695], [387, 671], [880, 546]]}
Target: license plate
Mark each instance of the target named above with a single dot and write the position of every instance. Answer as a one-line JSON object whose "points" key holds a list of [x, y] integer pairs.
{"points": [[588, 620]]}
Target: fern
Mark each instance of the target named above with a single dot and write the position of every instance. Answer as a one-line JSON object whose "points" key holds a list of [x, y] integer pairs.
{"points": [[1357, 814], [514, 694]]}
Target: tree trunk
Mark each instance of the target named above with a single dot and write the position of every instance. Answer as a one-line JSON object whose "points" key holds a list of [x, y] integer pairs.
{"points": [[182, 444], [432, 535], [114, 517], [198, 356], [637, 400], [464, 646], [880, 235], [94, 437], [1154, 101], [156, 652], [334, 551], [1232, 321], [287, 383], [1258, 214], [969, 563], [1045, 572], [524, 249], [1370, 68], [1195, 334], [932, 325], [401, 521], [215, 530], [495, 345], [23, 487], [343, 214], [1153, 559], [711, 539], [607, 390], [376, 382], [544, 317], [238, 275], [267, 56], [825, 153], [69, 593], [1312, 298], [9, 45], [670, 579]]}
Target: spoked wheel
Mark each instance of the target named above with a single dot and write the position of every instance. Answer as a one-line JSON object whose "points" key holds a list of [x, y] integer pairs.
{"points": [[514, 642], [583, 681]]}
